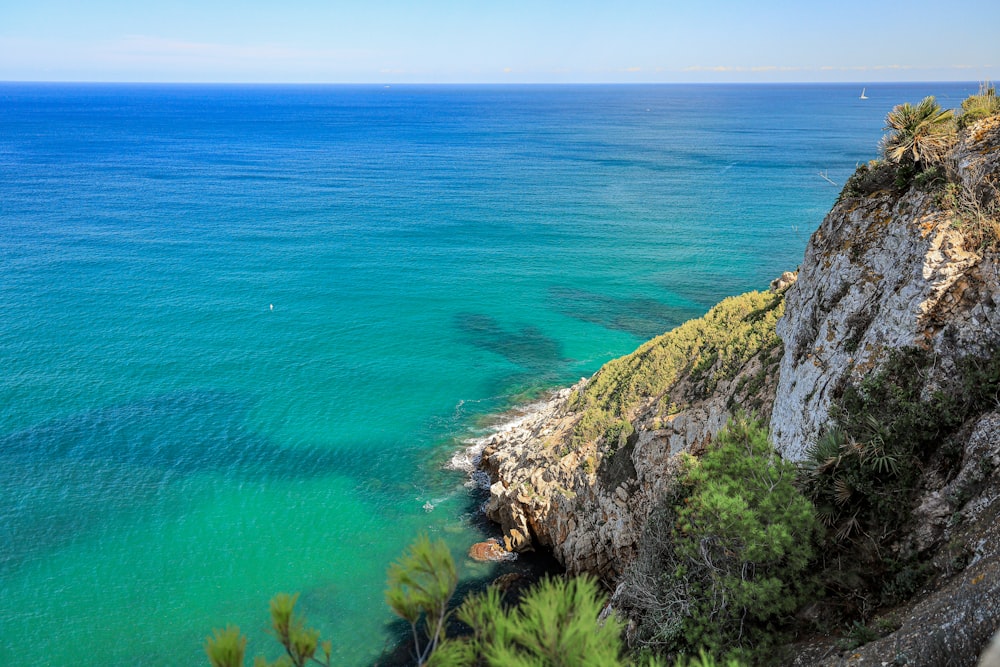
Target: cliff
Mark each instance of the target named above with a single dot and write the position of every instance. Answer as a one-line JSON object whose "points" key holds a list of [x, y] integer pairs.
{"points": [[894, 266], [581, 473], [887, 269]]}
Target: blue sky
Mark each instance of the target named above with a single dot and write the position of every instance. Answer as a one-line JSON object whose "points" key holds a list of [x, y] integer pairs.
{"points": [[438, 41]]}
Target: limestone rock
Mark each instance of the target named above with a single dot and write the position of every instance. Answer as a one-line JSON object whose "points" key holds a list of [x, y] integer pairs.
{"points": [[883, 271], [588, 506], [784, 281]]}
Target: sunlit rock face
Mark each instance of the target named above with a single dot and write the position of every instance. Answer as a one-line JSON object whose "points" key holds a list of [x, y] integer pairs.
{"points": [[885, 270]]}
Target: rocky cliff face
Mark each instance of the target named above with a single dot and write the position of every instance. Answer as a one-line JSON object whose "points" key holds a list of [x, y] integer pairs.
{"points": [[888, 268], [588, 500]]}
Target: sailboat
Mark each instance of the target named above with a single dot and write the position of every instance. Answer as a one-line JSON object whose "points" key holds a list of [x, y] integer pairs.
{"points": [[863, 96]]}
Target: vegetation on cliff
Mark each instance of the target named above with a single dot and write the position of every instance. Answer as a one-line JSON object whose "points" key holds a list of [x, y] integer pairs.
{"points": [[915, 151], [864, 474], [724, 557], [918, 134], [980, 106], [710, 350]]}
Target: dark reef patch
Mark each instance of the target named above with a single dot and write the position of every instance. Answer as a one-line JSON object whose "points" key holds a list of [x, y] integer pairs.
{"points": [[528, 346], [642, 317]]}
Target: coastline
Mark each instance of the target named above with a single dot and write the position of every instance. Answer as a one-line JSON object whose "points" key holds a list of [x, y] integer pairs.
{"points": [[518, 421]]}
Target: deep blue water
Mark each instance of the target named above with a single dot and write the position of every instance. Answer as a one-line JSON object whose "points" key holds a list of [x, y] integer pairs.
{"points": [[243, 326]]}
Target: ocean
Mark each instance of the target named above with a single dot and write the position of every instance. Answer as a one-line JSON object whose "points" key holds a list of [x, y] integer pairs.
{"points": [[244, 328]]}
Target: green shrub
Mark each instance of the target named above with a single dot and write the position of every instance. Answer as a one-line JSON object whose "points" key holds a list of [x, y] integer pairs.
{"points": [[227, 647], [705, 660], [420, 586], [858, 634], [734, 565], [712, 348], [749, 533], [867, 179], [979, 106], [556, 623], [862, 474]]}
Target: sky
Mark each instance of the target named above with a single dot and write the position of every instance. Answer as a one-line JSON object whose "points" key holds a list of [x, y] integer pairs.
{"points": [[483, 41]]}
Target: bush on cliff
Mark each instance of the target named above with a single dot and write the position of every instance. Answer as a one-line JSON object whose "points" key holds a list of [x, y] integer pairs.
{"points": [[709, 350], [556, 623], [918, 136], [725, 553], [979, 106], [864, 473]]}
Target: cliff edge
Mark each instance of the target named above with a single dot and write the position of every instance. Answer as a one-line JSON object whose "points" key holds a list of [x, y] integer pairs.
{"points": [[904, 263]]}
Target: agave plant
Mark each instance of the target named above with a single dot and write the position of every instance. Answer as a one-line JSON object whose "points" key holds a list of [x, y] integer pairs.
{"points": [[918, 134]]}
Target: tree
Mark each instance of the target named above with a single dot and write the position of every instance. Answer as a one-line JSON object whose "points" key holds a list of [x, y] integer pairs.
{"points": [[918, 135], [420, 585], [749, 532], [724, 558], [227, 647]]}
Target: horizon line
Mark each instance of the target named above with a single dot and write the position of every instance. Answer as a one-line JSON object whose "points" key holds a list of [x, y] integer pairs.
{"points": [[385, 84]]}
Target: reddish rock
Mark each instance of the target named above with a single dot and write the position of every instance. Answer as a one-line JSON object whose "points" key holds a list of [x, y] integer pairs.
{"points": [[490, 550]]}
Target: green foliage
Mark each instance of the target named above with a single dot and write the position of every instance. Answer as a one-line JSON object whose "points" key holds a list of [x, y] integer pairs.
{"points": [[555, 625], [226, 648], [300, 642], [704, 659], [859, 634], [862, 474], [867, 179], [931, 178], [741, 541], [749, 533], [711, 349], [918, 135], [979, 106], [420, 585]]}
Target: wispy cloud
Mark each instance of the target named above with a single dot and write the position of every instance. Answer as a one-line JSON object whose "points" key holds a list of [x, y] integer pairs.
{"points": [[150, 53], [147, 48], [824, 68]]}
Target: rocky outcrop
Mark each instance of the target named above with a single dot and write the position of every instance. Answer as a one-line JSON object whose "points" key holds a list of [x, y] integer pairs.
{"points": [[886, 270], [588, 502], [490, 550]]}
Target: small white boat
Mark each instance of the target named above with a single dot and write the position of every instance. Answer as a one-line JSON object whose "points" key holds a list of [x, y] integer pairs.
{"points": [[863, 96]]}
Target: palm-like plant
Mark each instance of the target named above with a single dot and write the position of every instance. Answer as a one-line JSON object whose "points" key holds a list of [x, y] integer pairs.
{"points": [[918, 134]]}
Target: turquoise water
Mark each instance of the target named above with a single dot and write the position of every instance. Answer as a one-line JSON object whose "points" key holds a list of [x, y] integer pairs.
{"points": [[244, 328]]}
